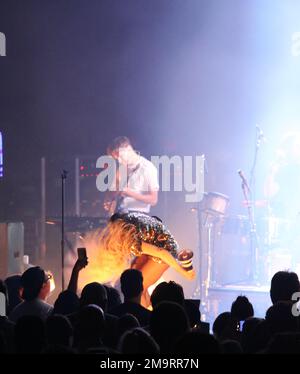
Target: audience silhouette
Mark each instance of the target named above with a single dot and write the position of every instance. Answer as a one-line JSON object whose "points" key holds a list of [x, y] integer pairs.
{"points": [[98, 322]]}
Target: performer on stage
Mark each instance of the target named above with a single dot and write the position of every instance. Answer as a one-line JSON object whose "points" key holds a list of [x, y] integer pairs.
{"points": [[136, 240], [141, 187], [132, 238]]}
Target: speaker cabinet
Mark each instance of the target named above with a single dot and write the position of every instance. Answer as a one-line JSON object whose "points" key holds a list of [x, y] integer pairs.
{"points": [[11, 248]]}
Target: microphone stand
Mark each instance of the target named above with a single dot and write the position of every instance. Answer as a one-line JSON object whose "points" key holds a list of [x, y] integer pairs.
{"points": [[250, 197], [253, 234], [252, 173], [201, 289], [63, 183]]}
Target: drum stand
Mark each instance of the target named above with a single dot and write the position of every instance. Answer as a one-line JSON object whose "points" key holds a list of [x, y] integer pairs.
{"points": [[211, 209], [202, 283], [209, 224], [205, 275], [250, 197]]}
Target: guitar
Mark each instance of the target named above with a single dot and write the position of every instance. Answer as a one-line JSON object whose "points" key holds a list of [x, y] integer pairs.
{"points": [[114, 199]]}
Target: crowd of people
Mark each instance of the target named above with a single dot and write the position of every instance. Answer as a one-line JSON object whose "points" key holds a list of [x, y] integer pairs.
{"points": [[101, 320]]}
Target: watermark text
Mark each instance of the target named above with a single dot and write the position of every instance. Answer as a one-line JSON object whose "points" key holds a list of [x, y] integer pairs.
{"points": [[176, 174]]}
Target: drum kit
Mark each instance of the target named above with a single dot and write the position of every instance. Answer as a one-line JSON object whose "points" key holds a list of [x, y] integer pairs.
{"points": [[271, 250]]}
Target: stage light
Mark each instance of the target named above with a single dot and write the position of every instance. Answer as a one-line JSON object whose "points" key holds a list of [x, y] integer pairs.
{"points": [[50, 278], [50, 223]]}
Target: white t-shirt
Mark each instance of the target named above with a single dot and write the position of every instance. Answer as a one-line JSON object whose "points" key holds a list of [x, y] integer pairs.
{"points": [[143, 180], [34, 307]]}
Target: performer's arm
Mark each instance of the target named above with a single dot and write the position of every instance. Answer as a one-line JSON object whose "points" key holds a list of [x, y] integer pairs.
{"points": [[166, 257], [148, 198]]}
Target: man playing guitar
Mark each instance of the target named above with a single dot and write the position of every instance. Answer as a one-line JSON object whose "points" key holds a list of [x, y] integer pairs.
{"points": [[140, 190]]}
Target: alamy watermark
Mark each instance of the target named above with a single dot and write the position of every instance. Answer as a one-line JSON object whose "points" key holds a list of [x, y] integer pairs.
{"points": [[188, 175], [2, 44], [295, 307]]}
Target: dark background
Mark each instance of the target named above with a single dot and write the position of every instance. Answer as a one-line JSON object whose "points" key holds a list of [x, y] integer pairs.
{"points": [[177, 77]]}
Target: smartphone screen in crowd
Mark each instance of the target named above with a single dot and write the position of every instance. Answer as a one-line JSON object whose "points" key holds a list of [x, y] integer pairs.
{"points": [[81, 253]]}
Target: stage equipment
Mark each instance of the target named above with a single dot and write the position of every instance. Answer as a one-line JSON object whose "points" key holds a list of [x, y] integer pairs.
{"points": [[249, 192], [211, 210], [63, 184], [11, 248], [78, 224], [254, 240], [231, 251], [214, 204]]}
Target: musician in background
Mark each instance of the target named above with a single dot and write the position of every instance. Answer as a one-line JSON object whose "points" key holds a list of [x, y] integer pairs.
{"points": [[282, 190], [140, 191], [283, 182]]}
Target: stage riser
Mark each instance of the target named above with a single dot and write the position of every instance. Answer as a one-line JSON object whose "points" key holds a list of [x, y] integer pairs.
{"points": [[221, 299]]}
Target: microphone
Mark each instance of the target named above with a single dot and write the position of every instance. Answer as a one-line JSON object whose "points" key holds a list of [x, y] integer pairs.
{"points": [[241, 174]]}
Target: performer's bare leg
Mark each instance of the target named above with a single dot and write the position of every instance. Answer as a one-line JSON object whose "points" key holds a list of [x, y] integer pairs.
{"points": [[138, 262], [152, 271]]}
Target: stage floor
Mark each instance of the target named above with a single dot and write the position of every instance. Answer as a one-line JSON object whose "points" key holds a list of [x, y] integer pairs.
{"points": [[241, 287], [220, 298]]}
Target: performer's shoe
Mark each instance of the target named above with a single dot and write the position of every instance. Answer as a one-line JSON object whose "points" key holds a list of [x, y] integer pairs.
{"points": [[185, 258]]}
